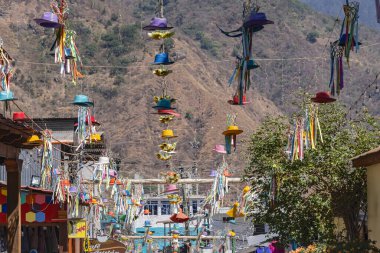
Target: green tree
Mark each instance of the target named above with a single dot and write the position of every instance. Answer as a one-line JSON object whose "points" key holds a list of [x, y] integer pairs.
{"points": [[299, 200]]}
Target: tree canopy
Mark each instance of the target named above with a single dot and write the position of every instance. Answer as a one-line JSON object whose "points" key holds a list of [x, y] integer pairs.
{"points": [[301, 200]]}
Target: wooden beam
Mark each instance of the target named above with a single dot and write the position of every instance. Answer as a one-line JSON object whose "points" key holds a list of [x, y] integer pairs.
{"points": [[13, 204], [180, 181]]}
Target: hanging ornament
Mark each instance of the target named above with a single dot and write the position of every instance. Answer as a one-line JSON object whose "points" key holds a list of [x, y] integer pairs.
{"points": [[377, 5], [47, 160], [336, 78], [231, 133]]}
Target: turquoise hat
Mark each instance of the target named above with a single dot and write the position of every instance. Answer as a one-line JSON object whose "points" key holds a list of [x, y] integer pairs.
{"points": [[147, 224], [252, 65], [162, 59], [82, 100], [7, 96], [116, 226], [164, 104]]}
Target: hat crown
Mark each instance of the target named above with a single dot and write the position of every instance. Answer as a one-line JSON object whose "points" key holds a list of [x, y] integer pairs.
{"points": [[171, 188], [81, 99], [233, 128], [164, 103], [159, 22], [323, 94], [33, 138], [161, 58], [50, 16], [167, 133], [213, 173], [18, 116], [6, 95]]}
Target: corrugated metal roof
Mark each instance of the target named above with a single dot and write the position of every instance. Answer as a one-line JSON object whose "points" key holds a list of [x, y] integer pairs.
{"points": [[55, 124], [64, 136]]}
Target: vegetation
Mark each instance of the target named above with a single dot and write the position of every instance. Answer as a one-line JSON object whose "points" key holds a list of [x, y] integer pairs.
{"points": [[300, 200]]}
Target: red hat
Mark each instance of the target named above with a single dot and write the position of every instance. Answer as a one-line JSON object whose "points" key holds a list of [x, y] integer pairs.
{"points": [[179, 217], [323, 97], [235, 100], [93, 121], [167, 112], [19, 116]]}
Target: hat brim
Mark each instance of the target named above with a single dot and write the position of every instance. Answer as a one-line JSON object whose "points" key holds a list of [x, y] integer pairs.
{"points": [[232, 132], [162, 63], [35, 143], [156, 28], [220, 152], [233, 103], [257, 24], [163, 108], [84, 104], [168, 113], [169, 137], [323, 100], [46, 23], [8, 99]]}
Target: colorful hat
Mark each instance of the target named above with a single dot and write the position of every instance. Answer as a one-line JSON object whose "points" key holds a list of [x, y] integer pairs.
{"points": [[343, 39], [68, 53], [146, 212], [179, 217], [82, 100], [48, 20], [257, 19], [232, 130], [226, 173], [7, 96], [164, 104], [147, 224], [220, 149], [167, 134], [19, 116], [95, 137], [235, 100], [162, 59], [73, 189], [157, 24], [171, 188], [162, 72], [33, 140], [323, 97], [167, 112], [213, 173]]}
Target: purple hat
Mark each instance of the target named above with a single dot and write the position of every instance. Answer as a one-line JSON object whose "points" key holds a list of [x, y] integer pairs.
{"points": [[157, 24], [48, 20], [257, 19]]}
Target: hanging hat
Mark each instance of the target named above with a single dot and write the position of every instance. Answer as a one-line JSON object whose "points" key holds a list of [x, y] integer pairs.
{"points": [[7, 96], [103, 160], [179, 217], [68, 53], [251, 64], [246, 189], [323, 98], [33, 140], [164, 104], [234, 211], [162, 59], [231, 221], [232, 130], [213, 173], [82, 100], [73, 189], [147, 224], [162, 72], [112, 173], [126, 193], [95, 137], [48, 20], [257, 20], [167, 134], [171, 188], [226, 173], [343, 39], [167, 112], [157, 24], [19, 116], [146, 212], [220, 149], [235, 100]]}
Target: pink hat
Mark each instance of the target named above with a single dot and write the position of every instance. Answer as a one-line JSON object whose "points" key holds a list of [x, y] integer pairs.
{"points": [[171, 188], [220, 149]]}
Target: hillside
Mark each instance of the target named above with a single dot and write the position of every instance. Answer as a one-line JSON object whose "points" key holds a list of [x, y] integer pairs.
{"points": [[116, 55]]}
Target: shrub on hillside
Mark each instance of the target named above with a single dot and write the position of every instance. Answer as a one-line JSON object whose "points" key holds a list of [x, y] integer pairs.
{"points": [[312, 37]]}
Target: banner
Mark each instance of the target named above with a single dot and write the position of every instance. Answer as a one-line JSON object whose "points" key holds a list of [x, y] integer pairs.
{"points": [[77, 228]]}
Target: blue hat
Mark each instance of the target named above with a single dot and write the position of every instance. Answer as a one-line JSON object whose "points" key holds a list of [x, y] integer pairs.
{"points": [[158, 24], [232, 221], [162, 59], [163, 104], [257, 19], [116, 226], [147, 224], [68, 53], [82, 100], [7, 96], [252, 65]]}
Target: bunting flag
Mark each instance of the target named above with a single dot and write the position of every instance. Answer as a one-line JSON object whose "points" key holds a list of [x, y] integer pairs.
{"points": [[349, 34]]}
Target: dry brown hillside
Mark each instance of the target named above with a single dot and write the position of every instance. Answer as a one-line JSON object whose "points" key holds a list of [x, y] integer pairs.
{"points": [[116, 55]]}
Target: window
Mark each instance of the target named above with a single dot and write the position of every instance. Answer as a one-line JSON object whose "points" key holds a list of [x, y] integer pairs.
{"points": [[259, 229], [195, 206], [165, 208], [152, 206]]}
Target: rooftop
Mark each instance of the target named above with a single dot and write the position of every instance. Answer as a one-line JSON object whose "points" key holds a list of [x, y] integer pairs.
{"points": [[367, 159]]}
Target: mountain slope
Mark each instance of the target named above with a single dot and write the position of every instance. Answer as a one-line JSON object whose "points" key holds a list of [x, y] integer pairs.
{"points": [[116, 54]]}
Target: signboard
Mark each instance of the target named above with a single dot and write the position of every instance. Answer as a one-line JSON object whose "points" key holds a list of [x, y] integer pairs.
{"points": [[77, 228], [109, 246]]}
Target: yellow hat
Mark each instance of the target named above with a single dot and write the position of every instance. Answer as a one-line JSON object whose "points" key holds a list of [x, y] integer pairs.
{"points": [[232, 130], [95, 137], [33, 140], [246, 189], [168, 133]]}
